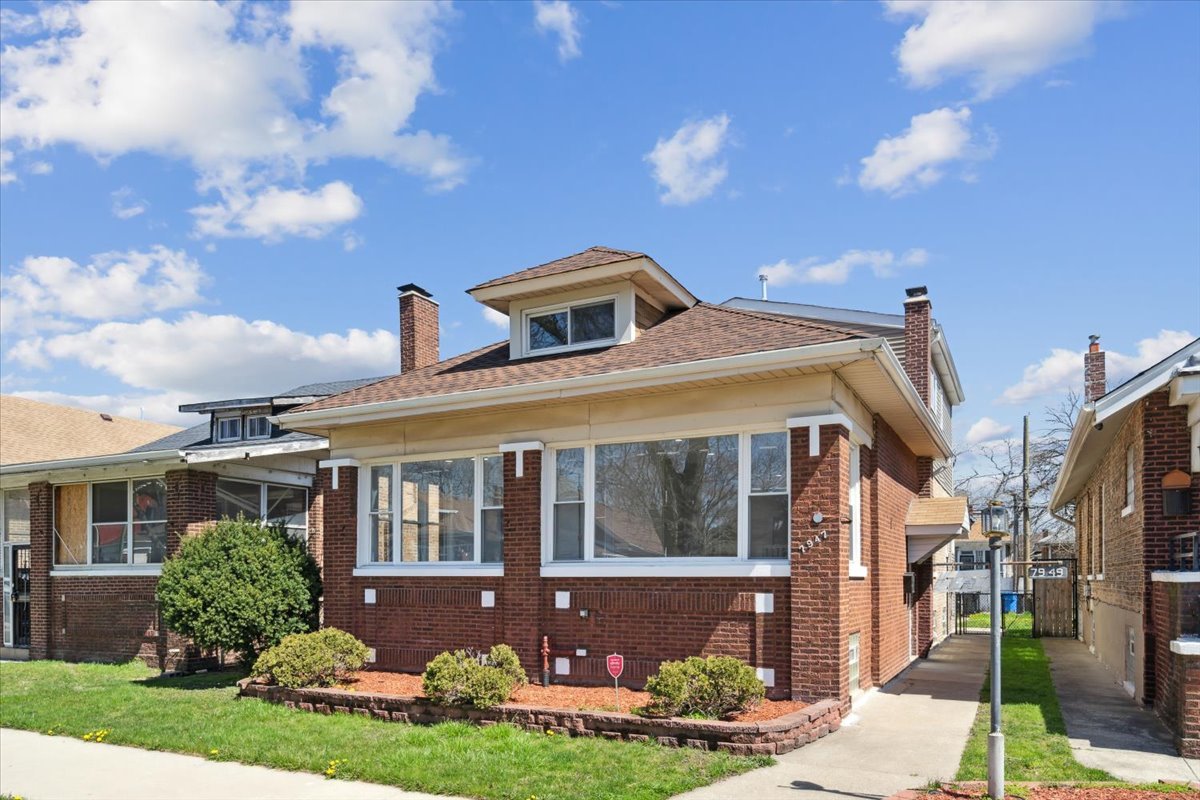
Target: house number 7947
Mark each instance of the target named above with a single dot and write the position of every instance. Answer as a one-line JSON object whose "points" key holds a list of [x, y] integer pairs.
{"points": [[815, 540]]}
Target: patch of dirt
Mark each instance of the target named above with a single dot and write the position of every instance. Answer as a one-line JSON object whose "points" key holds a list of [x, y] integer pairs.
{"points": [[577, 698], [1065, 793]]}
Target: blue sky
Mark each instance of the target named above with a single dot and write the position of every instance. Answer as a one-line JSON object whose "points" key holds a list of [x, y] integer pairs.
{"points": [[204, 201]]}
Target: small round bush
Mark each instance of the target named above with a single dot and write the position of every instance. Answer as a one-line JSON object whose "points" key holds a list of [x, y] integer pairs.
{"points": [[505, 659], [715, 687], [447, 676], [463, 677], [239, 586], [311, 659]]}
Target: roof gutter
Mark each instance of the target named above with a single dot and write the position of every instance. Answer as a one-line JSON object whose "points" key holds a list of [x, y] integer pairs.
{"points": [[92, 461], [894, 370]]}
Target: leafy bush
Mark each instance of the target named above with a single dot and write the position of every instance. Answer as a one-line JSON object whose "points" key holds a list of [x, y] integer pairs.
{"points": [[239, 586], [311, 659], [716, 687], [464, 677]]}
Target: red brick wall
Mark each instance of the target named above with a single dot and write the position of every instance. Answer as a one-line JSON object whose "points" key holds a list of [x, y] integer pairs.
{"points": [[1095, 383], [1176, 610], [41, 556], [918, 322], [418, 332]]}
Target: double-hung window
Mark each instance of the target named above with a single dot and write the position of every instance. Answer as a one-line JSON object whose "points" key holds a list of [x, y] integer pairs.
{"points": [[258, 427], [110, 523], [701, 499], [436, 511], [229, 429], [1129, 481], [590, 323], [283, 506]]}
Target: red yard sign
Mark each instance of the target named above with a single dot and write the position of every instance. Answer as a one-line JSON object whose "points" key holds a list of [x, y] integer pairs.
{"points": [[616, 665]]}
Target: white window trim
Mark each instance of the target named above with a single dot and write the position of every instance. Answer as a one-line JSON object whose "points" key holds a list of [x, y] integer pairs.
{"points": [[854, 505], [364, 567], [262, 499], [250, 419], [90, 567], [590, 566], [1130, 482], [1100, 538], [228, 418], [529, 313]]}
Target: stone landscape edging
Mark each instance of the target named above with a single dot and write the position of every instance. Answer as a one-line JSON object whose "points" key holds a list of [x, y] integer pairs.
{"points": [[769, 737]]}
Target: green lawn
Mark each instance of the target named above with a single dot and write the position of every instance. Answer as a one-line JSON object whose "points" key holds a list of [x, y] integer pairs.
{"points": [[1012, 620], [201, 715], [1035, 738]]}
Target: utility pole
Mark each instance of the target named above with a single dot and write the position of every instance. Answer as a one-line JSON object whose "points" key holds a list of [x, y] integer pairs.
{"points": [[1028, 544]]}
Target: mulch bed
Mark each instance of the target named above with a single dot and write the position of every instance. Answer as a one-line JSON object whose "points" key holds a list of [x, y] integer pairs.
{"points": [[577, 698], [1034, 792]]}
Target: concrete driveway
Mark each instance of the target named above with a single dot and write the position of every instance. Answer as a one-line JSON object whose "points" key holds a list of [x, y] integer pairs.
{"points": [[1107, 728], [909, 732]]}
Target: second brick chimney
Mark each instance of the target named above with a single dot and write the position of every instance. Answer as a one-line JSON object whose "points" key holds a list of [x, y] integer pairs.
{"points": [[1095, 381], [918, 339], [418, 328]]}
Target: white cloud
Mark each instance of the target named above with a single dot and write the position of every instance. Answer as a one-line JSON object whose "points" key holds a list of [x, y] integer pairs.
{"points": [[994, 43], [919, 157], [207, 356], [6, 173], [561, 18], [686, 165], [495, 317], [155, 407], [229, 88], [813, 270], [274, 213], [48, 292], [351, 241], [41, 168], [125, 205], [987, 430], [1062, 370]]}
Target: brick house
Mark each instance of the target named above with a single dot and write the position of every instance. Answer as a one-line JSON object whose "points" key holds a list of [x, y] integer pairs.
{"points": [[633, 470], [34, 431], [1130, 472], [100, 525]]}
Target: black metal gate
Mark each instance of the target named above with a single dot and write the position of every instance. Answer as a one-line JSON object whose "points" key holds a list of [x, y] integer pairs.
{"points": [[20, 594]]}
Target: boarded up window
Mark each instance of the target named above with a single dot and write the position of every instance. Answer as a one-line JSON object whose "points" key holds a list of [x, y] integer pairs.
{"points": [[70, 523]]}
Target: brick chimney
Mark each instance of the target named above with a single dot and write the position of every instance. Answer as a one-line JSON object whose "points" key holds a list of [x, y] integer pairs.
{"points": [[1095, 381], [918, 335], [418, 328]]}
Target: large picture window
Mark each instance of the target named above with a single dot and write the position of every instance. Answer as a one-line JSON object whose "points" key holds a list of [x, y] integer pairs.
{"points": [[708, 497], [285, 506], [111, 523], [437, 511]]}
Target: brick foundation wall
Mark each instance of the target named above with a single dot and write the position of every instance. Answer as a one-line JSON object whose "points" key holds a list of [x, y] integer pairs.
{"points": [[1176, 611]]}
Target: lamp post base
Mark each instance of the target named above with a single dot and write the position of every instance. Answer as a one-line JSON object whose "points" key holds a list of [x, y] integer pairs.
{"points": [[996, 765]]}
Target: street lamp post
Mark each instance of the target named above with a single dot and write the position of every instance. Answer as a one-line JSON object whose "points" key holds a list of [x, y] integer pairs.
{"points": [[996, 522]]}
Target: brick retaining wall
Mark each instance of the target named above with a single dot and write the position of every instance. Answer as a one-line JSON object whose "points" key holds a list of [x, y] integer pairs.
{"points": [[771, 737]]}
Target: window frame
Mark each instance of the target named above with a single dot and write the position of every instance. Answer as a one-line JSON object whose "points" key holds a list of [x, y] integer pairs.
{"points": [[251, 418], [856, 567], [1100, 536], [740, 565], [90, 565], [219, 437], [1130, 482], [364, 567], [529, 313], [262, 501]]}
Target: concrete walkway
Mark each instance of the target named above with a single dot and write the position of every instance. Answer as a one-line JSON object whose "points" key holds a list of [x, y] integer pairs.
{"points": [[61, 768], [1108, 730], [907, 733]]}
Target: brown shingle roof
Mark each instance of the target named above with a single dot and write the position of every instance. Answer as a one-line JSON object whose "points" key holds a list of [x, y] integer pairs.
{"points": [[937, 511], [592, 257], [35, 431], [702, 332]]}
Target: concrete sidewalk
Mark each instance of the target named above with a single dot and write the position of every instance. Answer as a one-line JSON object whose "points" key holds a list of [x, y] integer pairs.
{"points": [[907, 733], [1107, 728], [62, 768]]}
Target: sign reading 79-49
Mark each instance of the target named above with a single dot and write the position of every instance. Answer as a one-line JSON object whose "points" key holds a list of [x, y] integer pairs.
{"points": [[1048, 571]]}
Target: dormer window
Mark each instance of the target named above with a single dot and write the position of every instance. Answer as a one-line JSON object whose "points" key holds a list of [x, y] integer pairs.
{"points": [[229, 429], [258, 427], [586, 323]]}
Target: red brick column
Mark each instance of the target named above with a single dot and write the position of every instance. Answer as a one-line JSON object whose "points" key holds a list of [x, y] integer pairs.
{"points": [[923, 582], [339, 543], [41, 557], [191, 504], [316, 523], [521, 586], [819, 565]]}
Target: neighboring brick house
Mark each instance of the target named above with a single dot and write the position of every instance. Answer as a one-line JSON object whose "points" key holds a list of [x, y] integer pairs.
{"points": [[31, 430], [635, 471], [1130, 472], [100, 525]]}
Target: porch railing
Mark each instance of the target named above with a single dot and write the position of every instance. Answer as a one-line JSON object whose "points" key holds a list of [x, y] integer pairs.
{"points": [[1184, 552]]}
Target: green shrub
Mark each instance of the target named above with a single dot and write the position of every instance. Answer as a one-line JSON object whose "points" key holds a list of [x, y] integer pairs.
{"points": [[463, 677], [714, 687], [239, 586], [311, 659]]}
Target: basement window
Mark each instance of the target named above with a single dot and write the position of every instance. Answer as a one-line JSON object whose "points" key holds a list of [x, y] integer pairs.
{"points": [[588, 323]]}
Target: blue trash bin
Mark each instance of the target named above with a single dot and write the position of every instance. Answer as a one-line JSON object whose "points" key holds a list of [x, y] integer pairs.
{"points": [[1008, 602]]}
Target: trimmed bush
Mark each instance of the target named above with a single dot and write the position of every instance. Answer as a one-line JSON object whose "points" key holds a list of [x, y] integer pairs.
{"points": [[239, 586], [311, 659], [715, 687], [464, 677]]}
